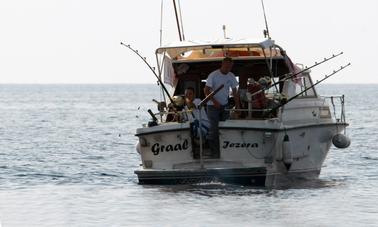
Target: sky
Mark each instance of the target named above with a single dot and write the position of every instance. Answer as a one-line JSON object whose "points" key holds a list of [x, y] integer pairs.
{"points": [[78, 41]]}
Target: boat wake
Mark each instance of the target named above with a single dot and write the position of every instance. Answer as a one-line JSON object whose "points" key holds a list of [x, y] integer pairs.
{"points": [[212, 189]]}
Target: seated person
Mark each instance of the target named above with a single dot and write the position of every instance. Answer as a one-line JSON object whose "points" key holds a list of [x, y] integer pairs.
{"points": [[193, 113], [244, 80], [243, 91], [259, 101]]}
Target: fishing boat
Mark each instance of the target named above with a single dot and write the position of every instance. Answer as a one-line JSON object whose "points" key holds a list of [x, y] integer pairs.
{"points": [[285, 140]]}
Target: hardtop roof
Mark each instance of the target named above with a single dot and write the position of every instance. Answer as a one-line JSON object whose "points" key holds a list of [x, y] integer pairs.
{"points": [[176, 48]]}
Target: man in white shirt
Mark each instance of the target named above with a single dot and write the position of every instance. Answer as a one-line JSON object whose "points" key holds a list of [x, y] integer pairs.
{"points": [[217, 104]]}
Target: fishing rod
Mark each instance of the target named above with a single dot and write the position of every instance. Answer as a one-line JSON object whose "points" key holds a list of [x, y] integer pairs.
{"points": [[290, 75], [207, 98], [151, 68], [305, 90]]}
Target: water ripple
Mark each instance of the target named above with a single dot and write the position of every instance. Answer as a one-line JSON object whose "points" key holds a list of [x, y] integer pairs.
{"points": [[68, 155]]}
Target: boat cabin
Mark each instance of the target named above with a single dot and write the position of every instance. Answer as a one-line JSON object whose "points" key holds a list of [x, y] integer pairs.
{"points": [[188, 64]]}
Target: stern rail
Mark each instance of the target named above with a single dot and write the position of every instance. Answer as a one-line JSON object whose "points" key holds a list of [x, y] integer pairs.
{"points": [[337, 102]]}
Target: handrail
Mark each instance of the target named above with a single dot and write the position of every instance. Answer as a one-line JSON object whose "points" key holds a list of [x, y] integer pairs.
{"points": [[334, 105]]}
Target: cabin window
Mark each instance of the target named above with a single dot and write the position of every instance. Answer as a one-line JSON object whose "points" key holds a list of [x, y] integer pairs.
{"points": [[303, 86]]}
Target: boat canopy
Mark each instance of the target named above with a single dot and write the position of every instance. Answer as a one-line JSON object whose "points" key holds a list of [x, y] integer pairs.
{"points": [[190, 50]]}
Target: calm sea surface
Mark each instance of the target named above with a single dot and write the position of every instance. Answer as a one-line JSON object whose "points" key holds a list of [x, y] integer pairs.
{"points": [[67, 159]]}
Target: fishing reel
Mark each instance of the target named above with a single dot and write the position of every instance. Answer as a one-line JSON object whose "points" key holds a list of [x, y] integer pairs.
{"points": [[280, 98], [177, 103], [160, 105]]}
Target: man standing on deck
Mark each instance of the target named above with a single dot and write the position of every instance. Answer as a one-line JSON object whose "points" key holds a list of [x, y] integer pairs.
{"points": [[219, 102]]}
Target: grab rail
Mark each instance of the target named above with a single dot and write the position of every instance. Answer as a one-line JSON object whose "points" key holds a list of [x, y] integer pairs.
{"points": [[338, 104]]}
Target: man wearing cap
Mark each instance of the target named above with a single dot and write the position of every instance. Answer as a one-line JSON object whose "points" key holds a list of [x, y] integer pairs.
{"points": [[219, 102]]}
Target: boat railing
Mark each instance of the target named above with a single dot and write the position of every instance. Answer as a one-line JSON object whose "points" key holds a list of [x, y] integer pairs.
{"points": [[337, 104], [336, 110], [180, 116], [235, 114], [251, 114]]}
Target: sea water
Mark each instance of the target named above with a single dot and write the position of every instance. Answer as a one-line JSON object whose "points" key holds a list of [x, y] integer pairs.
{"points": [[67, 157]]}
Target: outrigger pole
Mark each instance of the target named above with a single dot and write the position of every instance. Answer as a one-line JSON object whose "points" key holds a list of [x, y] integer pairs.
{"points": [[161, 22], [305, 90], [152, 69], [266, 31], [181, 23], [297, 73], [177, 20]]}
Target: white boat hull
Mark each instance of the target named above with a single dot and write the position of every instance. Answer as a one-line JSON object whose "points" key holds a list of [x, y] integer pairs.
{"points": [[248, 155]]}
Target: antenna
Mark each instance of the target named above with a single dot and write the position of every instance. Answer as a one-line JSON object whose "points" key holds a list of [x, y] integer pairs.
{"points": [[224, 31], [266, 31]]}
